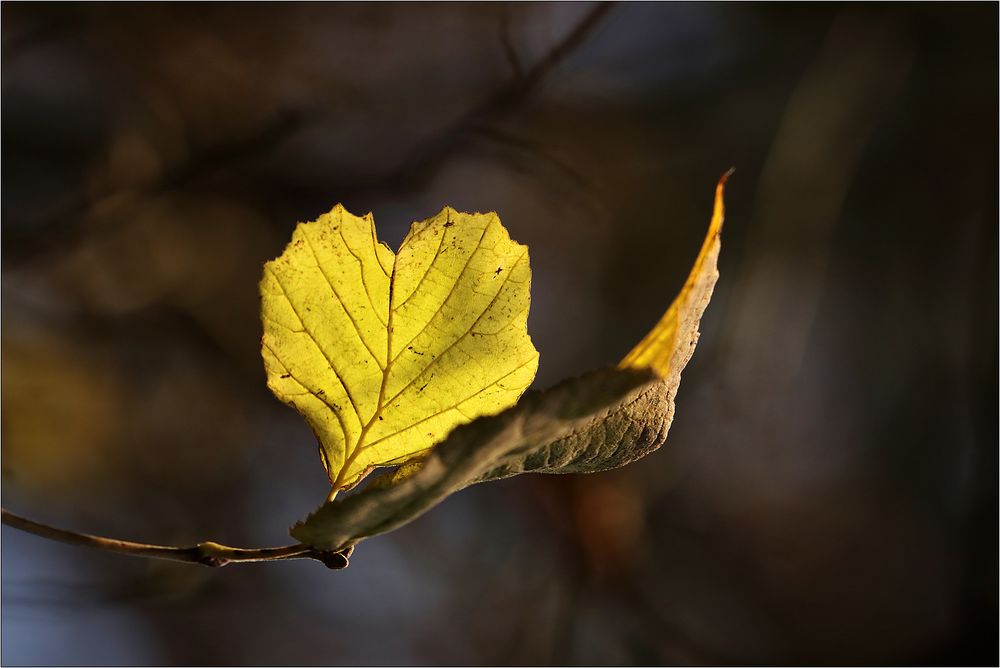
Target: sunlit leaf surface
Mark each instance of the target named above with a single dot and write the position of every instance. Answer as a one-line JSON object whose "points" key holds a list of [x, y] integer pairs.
{"points": [[382, 353]]}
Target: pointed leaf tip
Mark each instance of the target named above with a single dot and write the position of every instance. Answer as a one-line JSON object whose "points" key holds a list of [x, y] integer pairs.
{"points": [[669, 345]]}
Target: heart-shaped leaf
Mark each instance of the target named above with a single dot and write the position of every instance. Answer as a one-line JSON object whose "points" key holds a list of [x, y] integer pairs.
{"points": [[383, 354]]}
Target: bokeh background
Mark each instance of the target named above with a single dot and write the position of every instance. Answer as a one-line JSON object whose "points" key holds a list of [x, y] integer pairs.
{"points": [[828, 493]]}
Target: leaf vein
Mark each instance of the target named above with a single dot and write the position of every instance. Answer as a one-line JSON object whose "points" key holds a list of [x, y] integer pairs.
{"points": [[378, 260], [361, 268], [308, 390], [462, 337], [312, 338], [420, 283], [337, 298], [454, 406], [479, 245]]}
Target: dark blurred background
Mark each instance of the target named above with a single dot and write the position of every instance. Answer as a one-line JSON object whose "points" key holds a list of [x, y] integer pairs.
{"points": [[829, 490]]}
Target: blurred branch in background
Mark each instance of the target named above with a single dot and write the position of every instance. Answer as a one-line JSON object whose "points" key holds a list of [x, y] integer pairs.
{"points": [[424, 161], [807, 174], [57, 228]]}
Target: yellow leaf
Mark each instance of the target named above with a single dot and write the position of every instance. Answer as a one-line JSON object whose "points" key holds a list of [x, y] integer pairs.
{"points": [[383, 354], [669, 345]]}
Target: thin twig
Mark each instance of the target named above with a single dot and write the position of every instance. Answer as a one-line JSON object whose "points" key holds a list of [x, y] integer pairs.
{"points": [[206, 553], [423, 161], [508, 45], [513, 141], [60, 225]]}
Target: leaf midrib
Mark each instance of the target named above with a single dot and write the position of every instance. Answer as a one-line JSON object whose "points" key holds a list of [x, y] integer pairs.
{"points": [[379, 406], [381, 403]]}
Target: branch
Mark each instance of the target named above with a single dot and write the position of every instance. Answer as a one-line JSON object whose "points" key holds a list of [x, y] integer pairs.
{"points": [[422, 162], [206, 553], [516, 142], [508, 46], [61, 225]]}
